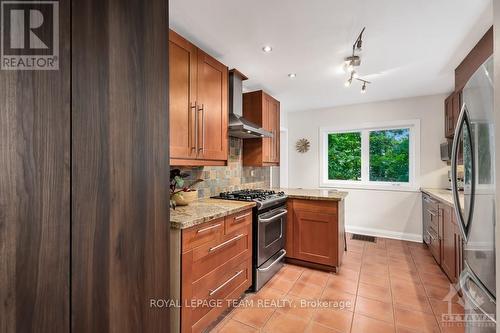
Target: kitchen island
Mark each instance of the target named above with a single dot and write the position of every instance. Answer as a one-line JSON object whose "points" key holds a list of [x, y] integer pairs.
{"points": [[315, 228]]}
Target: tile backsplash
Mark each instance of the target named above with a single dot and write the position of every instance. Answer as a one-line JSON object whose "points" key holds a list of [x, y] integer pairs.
{"points": [[232, 177]]}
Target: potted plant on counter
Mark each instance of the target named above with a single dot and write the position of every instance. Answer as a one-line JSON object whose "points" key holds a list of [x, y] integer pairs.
{"points": [[180, 193]]}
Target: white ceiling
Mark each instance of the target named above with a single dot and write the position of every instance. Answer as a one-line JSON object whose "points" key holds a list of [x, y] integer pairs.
{"points": [[410, 47]]}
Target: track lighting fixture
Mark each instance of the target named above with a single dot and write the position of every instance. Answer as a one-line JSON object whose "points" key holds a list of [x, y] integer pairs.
{"points": [[353, 61], [363, 88], [349, 81], [359, 42]]}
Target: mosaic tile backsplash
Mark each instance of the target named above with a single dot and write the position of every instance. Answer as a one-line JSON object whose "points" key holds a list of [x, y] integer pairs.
{"points": [[232, 177]]}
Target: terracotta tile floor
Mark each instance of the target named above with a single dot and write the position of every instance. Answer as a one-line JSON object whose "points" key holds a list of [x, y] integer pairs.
{"points": [[393, 286]]}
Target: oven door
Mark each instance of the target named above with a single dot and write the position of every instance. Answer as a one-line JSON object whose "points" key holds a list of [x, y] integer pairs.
{"points": [[271, 233]]}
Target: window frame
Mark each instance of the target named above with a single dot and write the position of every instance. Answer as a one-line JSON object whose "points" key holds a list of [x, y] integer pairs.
{"points": [[365, 129]]}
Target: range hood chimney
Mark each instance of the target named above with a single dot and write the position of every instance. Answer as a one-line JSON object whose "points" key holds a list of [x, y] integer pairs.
{"points": [[239, 127]]}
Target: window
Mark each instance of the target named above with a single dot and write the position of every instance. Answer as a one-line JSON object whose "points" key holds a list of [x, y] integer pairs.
{"points": [[380, 155], [390, 155], [344, 156]]}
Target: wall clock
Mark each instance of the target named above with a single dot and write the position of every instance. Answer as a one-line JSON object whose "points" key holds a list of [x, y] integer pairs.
{"points": [[303, 145]]}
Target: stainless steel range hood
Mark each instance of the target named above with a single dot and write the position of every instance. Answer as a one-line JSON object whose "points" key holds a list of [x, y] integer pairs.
{"points": [[239, 127]]}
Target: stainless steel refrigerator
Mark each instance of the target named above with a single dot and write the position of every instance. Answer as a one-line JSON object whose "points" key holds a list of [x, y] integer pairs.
{"points": [[475, 137]]}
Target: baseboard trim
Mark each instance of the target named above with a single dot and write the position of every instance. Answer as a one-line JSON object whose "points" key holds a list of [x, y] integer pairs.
{"points": [[384, 233]]}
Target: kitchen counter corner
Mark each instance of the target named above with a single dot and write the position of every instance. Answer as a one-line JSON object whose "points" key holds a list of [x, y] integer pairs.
{"points": [[314, 194], [205, 210], [443, 195]]}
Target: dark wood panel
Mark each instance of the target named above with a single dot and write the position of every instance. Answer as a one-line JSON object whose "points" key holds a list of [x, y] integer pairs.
{"points": [[120, 214], [34, 194], [478, 55]]}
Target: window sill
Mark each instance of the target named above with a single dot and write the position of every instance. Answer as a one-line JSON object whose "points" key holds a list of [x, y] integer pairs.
{"points": [[372, 187]]}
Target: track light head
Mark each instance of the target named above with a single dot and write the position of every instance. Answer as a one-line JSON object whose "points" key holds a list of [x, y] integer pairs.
{"points": [[363, 88], [359, 45]]}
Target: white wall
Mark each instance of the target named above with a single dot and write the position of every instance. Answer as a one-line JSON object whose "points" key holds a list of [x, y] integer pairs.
{"points": [[395, 214]]}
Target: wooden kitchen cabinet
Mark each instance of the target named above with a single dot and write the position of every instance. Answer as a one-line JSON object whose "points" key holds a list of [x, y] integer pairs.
{"points": [[445, 242], [198, 99], [215, 268], [212, 108], [448, 242], [452, 106], [315, 233], [263, 110]]}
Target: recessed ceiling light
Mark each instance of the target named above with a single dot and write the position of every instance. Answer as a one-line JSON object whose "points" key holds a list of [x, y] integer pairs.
{"points": [[267, 49], [292, 75]]}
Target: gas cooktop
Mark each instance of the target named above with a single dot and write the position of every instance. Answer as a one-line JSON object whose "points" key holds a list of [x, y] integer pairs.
{"points": [[263, 198]]}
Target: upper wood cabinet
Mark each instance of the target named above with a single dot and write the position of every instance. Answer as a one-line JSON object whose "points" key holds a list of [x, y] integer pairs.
{"points": [[263, 110], [452, 105], [198, 99]]}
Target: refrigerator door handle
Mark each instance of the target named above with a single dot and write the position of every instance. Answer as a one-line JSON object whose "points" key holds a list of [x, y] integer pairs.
{"points": [[468, 274], [463, 119]]}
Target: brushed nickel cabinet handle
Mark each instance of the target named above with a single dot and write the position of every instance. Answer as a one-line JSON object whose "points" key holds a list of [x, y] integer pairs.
{"points": [[193, 132], [212, 249], [241, 217], [209, 228], [213, 291], [202, 110]]}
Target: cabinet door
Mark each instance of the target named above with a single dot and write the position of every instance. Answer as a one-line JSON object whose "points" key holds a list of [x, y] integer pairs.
{"points": [[315, 237], [448, 260], [182, 97], [456, 108], [274, 121], [266, 124], [448, 117], [458, 251], [212, 109]]}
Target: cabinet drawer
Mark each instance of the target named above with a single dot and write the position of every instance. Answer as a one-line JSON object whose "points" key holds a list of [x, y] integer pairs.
{"points": [[211, 255], [315, 206], [434, 245], [219, 283], [432, 218], [203, 233], [238, 221]]}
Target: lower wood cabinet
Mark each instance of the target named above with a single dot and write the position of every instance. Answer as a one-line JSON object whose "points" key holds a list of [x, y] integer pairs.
{"points": [[315, 232], [448, 242], [443, 237], [215, 266]]}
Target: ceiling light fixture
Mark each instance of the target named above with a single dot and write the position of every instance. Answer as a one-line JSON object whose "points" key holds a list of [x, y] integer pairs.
{"points": [[267, 48], [292, 75], [363, 88], [349, 81], [354, 61], [359, 41]]}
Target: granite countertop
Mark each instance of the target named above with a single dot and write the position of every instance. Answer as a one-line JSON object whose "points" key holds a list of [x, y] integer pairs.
{"points": [[314, 194], [444, 195], [205, 210]]}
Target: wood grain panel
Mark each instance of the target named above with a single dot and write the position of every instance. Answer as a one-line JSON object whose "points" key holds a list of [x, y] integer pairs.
{"points": [[212, 108], [476, 57], [34, 194], [120, 212], [182, 99]]}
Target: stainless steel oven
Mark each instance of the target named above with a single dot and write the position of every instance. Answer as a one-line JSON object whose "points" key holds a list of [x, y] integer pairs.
{"points": [[269, 244]]}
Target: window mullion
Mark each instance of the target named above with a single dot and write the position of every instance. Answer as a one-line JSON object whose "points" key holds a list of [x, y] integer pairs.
{"points": [[365, 156]]}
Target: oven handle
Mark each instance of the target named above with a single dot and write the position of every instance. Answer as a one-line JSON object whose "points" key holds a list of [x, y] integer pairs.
{"points": [[280, 214], [274, 262]]}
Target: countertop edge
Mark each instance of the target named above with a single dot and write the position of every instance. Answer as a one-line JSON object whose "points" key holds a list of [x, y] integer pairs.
{"points": [[311, 197], [208, 218], [431, 192]]}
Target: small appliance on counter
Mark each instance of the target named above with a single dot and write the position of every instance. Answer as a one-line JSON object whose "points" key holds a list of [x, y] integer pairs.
{"points": [[269, 226], [460, 178], [446, 150]]}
